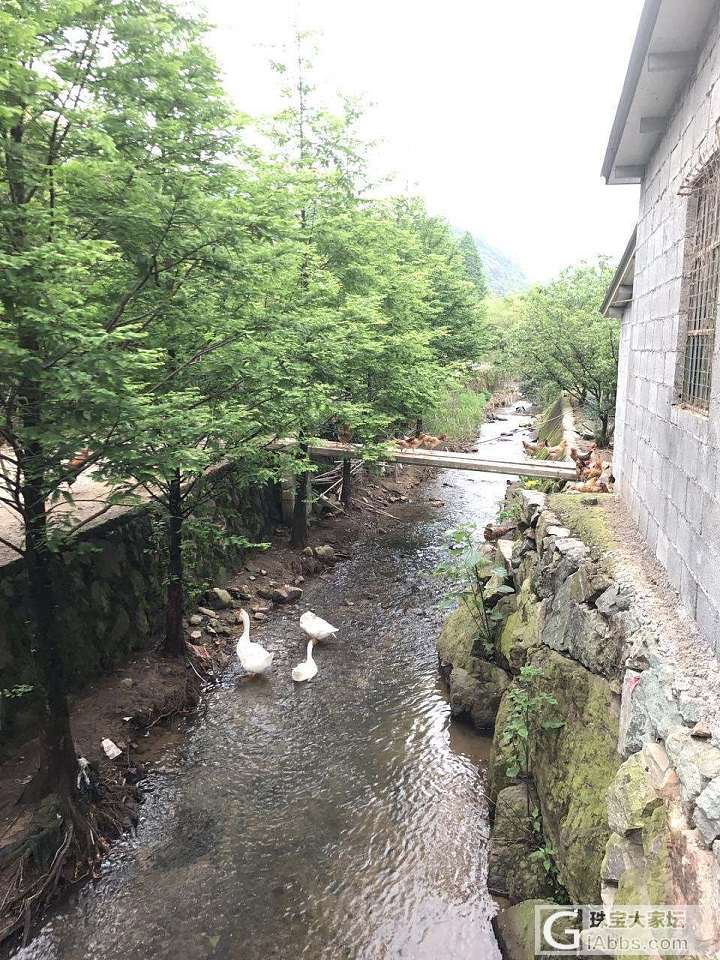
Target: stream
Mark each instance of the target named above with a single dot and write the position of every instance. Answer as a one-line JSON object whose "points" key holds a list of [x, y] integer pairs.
{"points": [[343, 818]]}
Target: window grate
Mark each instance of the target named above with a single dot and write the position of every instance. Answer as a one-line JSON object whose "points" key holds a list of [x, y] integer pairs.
{"points": [[703, 290]]}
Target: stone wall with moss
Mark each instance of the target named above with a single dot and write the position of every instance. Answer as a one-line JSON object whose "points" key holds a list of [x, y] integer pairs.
{"points": [[111, 586], [622, 795]]}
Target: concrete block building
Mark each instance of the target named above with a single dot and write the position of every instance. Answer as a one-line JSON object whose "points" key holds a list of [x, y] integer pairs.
{"points": [[666, 137]]}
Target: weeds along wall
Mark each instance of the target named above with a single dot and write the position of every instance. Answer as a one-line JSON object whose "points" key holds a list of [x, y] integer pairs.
{"points": [[111, 586]]}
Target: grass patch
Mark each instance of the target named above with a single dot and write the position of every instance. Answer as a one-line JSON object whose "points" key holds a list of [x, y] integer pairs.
{"points": [[458, 414]]}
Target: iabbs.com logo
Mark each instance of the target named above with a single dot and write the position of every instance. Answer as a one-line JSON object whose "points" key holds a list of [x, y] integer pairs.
{"points": [[596, 931]]}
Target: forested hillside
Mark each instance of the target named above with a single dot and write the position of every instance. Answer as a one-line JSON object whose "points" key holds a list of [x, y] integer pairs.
{"points": [[503, 274]]}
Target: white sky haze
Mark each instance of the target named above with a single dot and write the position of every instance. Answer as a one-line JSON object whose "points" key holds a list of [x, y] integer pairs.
{"points": [[496, 111]]}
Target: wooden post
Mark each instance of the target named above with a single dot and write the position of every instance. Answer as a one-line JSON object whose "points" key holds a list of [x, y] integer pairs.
{"points": [[346, 492]]}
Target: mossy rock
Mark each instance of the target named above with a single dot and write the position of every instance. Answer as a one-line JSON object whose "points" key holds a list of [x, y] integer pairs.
{"points": [[501, 756], [515, 929], [511, 871], [477, 695], [573, 767], [588, 523], [631, 798], [521, 633], [456, 645], [549, 424]]}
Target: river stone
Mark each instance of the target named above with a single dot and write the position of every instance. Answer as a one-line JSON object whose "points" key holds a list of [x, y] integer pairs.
{"points": [[501, 755], [621, 855], [552, 530], [613, 600], [588, 583], [207, 612], [326, 553], [546, 519], [515, 929], [195, 620], [477, 697], [583, 634], [648, 709], [631, 797], [218, 599], [495, 589], [558, 561]]}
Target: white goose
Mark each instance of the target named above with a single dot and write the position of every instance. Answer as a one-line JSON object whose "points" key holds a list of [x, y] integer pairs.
{"points": [[315, 627], [253, 657], [307, 669]]}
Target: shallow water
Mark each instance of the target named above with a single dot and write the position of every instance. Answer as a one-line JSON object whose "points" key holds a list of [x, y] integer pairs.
{"points": [[344, 818]]}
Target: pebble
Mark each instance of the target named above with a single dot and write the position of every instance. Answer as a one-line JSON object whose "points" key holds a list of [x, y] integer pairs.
{"points": [[206, 612]]}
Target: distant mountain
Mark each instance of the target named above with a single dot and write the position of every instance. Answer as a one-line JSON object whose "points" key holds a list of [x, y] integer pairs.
{"points": [[504, 275]]}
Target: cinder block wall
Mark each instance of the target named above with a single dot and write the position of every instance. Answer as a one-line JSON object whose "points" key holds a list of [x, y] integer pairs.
{"points": [[666, 456]]}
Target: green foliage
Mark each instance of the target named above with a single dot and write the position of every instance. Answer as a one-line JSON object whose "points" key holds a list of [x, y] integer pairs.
{"points": [[177, 291], [527, 709], [473, 265], [457, 413], [561, 342], [468, 571], [16, 692]]}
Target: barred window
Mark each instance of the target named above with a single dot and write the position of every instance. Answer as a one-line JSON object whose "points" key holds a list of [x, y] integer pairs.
{"points": [[703, 287]]}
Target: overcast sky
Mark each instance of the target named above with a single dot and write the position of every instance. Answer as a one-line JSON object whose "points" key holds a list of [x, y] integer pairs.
{"points": [[496, 111]]}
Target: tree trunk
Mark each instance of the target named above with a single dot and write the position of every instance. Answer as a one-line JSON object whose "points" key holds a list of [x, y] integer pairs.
{"points": [[418, 426], [58, 769], [346, 493], [174, 638], [300, 512]]}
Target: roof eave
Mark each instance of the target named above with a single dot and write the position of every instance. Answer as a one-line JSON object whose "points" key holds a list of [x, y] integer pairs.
{"points": [[648, 19], [620, 277]]}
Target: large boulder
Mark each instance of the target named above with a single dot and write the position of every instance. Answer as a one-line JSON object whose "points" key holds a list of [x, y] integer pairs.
{"points": [[631, 797], [456, 646], [572, 767], [515, 929], [477, 696]]}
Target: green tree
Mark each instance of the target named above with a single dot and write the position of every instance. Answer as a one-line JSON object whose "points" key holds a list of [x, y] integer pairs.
{"points": [[474, 265], [562, 342], [110, 117]]}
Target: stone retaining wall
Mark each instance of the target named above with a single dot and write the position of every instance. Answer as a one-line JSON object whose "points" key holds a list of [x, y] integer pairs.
{"points": [[111, 588], [624, 789]]}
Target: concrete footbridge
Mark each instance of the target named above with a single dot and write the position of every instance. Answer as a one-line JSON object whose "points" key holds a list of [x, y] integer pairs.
{"points": [[443, 460]]}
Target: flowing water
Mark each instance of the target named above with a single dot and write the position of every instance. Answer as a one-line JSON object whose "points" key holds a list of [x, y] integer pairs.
{"points": [[343, 818]]}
